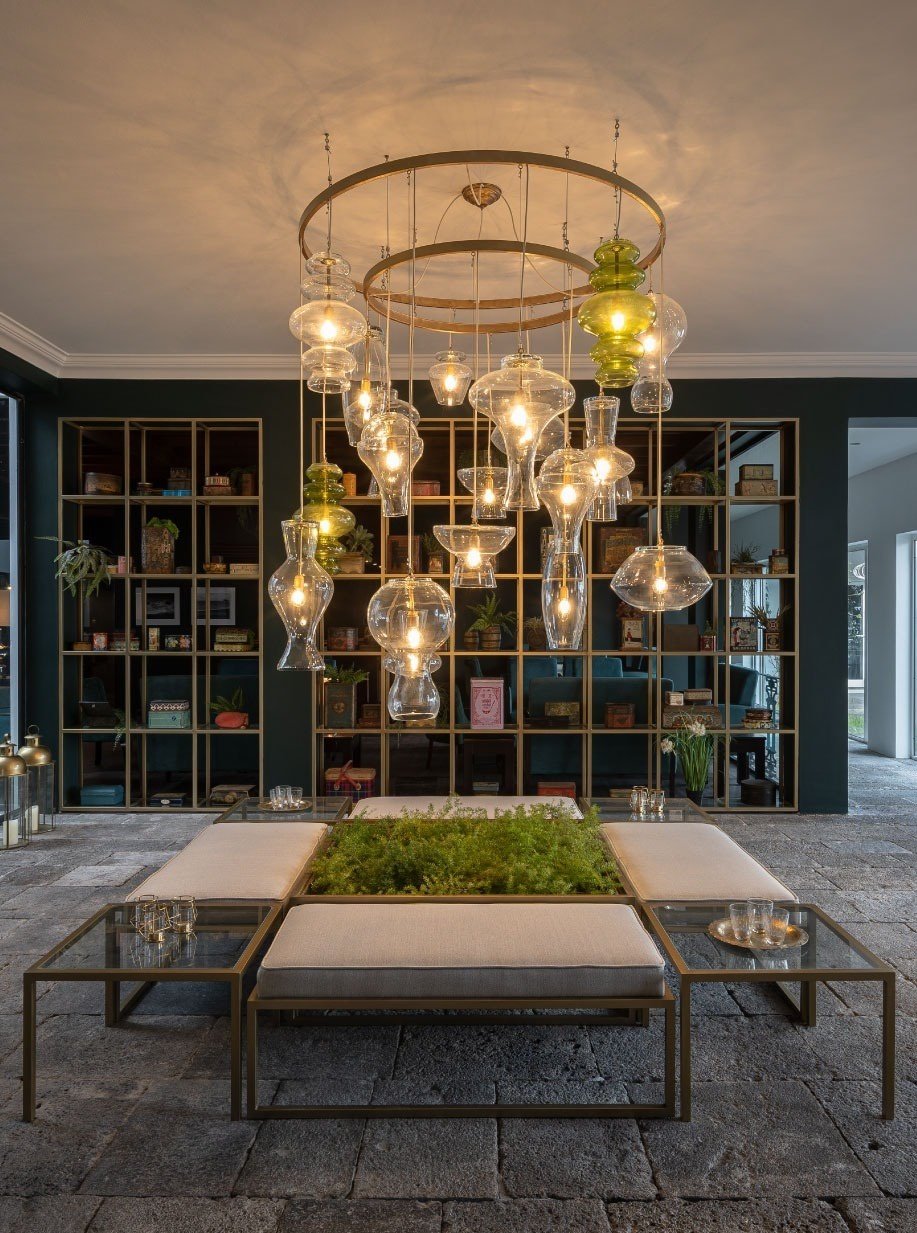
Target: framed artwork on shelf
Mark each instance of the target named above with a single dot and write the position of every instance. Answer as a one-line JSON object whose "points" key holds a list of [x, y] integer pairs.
{"points": [[487, 702], [163, 606], [222, 605], [743, 633], [632, 633], [616, 544]]}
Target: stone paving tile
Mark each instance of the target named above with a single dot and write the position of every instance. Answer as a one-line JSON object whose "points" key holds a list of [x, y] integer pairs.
{"points": [[100, 875], [879, 1215], [311, 1158], [185, 1215], [300, 1052], [750, 1140], [155, 1046], [179, 1139], [460, 1090], [361, 1216], [575, 1158], [851, 1048], [740, 1216], [422, 1158], [47, 1214], [527, 1216], [894, 906], [748, 1050], [436, 1052], [887, 1149], [630, 1053]]}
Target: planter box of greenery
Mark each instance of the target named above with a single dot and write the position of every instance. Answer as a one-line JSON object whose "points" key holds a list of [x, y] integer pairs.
{"points": [[341, 695], [528, 850]]}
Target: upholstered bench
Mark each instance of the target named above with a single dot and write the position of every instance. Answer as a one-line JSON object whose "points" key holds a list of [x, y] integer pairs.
{"points": [[391, 806], [679, 861], [463, 954]]}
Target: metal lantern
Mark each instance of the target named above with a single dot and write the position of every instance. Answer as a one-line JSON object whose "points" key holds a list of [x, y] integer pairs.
{"points": [[39, 761], [14, 791]]}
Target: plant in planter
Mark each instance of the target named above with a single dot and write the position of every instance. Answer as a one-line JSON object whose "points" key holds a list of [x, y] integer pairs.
{"points": [[436, 554], [533, 634], [81, 563], [745, 560], [228, 712], [491, 622], [771, 624], [714, 486], [157, 546], [359, 544], [708, 638], [341, 695], [691, 743]]}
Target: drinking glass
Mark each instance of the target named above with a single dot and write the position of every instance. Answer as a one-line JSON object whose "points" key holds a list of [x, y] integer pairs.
{"points": [[143, 912], [184, 914], [296, 797], [639, 797], [276, 798], [759, 918], [286, 796], [656, 801], [738, 919], [777, 926]]}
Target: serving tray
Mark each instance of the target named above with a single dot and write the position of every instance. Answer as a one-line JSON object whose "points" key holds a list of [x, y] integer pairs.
{"points": [[721, 930]]}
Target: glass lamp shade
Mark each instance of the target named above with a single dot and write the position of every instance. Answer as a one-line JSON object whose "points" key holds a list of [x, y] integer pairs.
{"points": [[327, 324], [665, 335], [551, 439], [617, 314], [390, 447], [610, 463], [474, 549], [520, 398], [563, 597], [566, 487], [661, 578], [399, 404], [300, 590], [410, 614], [15, 831], [644, 394], [450, 377], [624, 492], [321, 497], [39, 761], [413, 696], [488, 487], [369, 393]]}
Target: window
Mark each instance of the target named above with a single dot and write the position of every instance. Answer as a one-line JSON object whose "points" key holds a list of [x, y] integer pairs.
{"points": [[856, 642]]}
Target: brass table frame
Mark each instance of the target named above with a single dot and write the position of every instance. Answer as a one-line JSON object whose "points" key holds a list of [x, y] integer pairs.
{"points": [[116, 1010], [622, 1011], [807, 979]]}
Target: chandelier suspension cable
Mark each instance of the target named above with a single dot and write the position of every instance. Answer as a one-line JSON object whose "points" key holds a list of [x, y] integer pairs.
{"points": [[567, 336], [412, 227], [524, 212], [614, 169], [388, 284], [302, 423], [474, 431], [659, 414], [330, 185]]}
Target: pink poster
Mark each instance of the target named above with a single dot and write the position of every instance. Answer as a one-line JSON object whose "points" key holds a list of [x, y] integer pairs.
{"points": [[487, 702]]}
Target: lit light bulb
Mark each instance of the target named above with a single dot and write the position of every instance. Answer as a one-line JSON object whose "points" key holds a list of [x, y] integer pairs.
{"points": [[364, 400], [298, 594], [328, 330], [602, 468], [563, 604], [451, 382], [618, 322], [413, 661], [324, 526], [568, 494], [489, 496], [660, 585], [518, 415], [413, 636], [649, 344], [392, 460], [473, 557]]}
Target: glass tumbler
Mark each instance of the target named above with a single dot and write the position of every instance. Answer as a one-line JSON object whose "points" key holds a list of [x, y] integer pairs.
{"points": [[759, 919], [639, 799], [296, 797], [738, 919], [778, 926], [160, 918], [657, 801]]}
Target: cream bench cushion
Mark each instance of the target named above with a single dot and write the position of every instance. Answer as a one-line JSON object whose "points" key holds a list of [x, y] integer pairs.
{"points": [[238, 860], [391, 806], [675, 861], [459, 950]]}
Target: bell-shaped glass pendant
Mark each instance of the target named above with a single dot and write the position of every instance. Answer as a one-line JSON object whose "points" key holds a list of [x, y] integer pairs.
{"points": [[566, 487], [321, 504], [611, 464], [410, 614], [390, 447], [661, 578], [666, 334], [520, 398], [474, 549], [563, 597], [644, 393], [450, 377], [328, 324], [488, 487], [300, 590], [551, 438], [369, 393], [413, 696]]}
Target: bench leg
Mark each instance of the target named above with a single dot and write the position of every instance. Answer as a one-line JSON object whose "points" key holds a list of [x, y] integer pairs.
{"points": [[112, 1002], [28, 1048], [684, 1014], [670, 1052], [235, 1048], [888, 1048], [251, 1031]]}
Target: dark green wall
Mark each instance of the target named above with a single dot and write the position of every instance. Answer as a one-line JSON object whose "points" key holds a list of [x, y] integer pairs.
{"points": [[823, 407]]}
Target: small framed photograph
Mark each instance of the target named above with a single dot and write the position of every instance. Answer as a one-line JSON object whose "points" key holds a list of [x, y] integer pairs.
{"points": [[222, 605], [743, 634], [184, 642], [632, 633], [615, 546], [99, 640], [163, 606], [152, 638], [171, 642]]}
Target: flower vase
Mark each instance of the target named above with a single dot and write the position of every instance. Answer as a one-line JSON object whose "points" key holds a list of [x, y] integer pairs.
{"points": [[695, 795]]}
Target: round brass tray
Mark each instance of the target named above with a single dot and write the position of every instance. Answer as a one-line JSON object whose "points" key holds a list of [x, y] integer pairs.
{"points": [[267, 806], [721, 930]]}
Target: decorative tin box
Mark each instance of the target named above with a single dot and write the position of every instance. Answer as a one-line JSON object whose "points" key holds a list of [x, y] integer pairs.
{"points": [[693, 696], [102, 794], [756, 488], [370, 715], [688, 484], [673, 697], [756, 471], [778, 562], [569, 711], [229, 793], [342, 638], [620, 714], [350, 780], [425, 488], [101, 484], [560, 787], [169, 713], [487, 702], [677, 716]]}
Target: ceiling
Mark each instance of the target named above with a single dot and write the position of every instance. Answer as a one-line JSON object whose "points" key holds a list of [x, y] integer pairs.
{"points": [[156, 159], [868, 448]]}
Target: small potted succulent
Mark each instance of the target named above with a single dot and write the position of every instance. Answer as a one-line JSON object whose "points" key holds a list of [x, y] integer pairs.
{"points": [[359, 544], [81, 563], [534, 635], [491, 622], [341, 695], [228, 712], [157, 546], [436, 554], [745, 560]]}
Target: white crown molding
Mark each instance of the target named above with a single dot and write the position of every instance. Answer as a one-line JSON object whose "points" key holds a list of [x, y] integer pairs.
{"points": [[44, 354]]}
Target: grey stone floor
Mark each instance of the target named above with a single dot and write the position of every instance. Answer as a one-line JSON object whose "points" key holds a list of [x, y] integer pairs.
{"points": [[133, 1124]]}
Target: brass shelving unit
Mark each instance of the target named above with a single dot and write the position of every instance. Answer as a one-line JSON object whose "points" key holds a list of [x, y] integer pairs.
{"points": [[142, 450]]}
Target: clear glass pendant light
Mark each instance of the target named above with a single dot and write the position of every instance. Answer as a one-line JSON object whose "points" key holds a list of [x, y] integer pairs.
{"points": [[566, 487], [450, 377], [550, 439], [327, 324], [411, 618], [661, 578], [520, 398], [390, 446], [664, 336], [624, 492], [474, 549], [611, 463], [488, 487], [413, 696], [300, 590], [369, 393], [563, 597]]}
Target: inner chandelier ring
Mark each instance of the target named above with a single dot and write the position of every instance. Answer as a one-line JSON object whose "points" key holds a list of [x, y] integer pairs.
{"points": [[378, 297]]}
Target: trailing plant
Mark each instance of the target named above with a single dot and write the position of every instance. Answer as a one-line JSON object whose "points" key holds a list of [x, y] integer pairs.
{"points": [[120, 728], [530, 850], [490, 613], [693, 746], [81, 562], [166, 523], [360, 540], [221, 706], [431, 544], [351, 675]]}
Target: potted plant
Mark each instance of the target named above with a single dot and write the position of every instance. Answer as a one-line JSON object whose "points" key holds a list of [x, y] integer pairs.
{"points": [[436, 554], [228, 712], [708, 638], [81, 563], [157, 546], [745, 560], [471, 639], [359, 544], [772, 626], [490, 621], [341, 695], [534, 636], [693, 746]]}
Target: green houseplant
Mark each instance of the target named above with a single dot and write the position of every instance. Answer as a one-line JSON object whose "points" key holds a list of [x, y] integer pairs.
{"points": [[359, 544], [340, 694], [230, 712], [534, 634], [81, 563], [491, 622], [692, 744], [157, 546], [745, 560]]}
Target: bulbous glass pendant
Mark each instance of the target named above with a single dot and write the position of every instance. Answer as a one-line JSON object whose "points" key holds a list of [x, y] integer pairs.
{"points": [[521, 398], [474, 549], [617, 314], [566, 486], [413, 696], [321, 497], [644, 394], [327, 324], [450, 378], [488, 487], [611, 464], [390, 447], [624, 492], [369, 393], [300, 590], [410, 614], [661, 578], [666, 334], [563, 597]]}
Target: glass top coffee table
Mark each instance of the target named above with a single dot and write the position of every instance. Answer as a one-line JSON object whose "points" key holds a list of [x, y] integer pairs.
{"points": [[616, 808], [107, 948], [311, 809], [830, 953]]}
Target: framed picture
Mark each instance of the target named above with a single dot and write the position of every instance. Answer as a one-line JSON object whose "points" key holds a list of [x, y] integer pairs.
{"points": [[743, 634], [398, 554], [163, 606], [487, 702], [222, 605], [616, 544], [632, 633]]}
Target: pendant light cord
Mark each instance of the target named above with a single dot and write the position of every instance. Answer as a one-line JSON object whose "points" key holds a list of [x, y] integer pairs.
{"points": [[524, 211], [412, 226], [330, 185], [614, 171], [659, 407], [474, 430]]}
